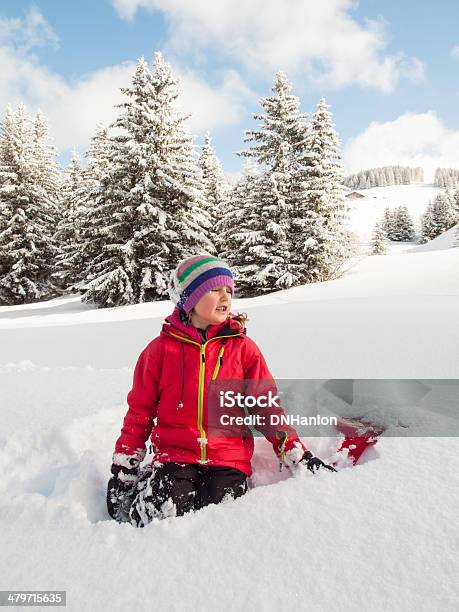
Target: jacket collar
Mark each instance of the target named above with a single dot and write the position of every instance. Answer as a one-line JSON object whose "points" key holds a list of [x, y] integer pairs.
{"points": [[174, 324]]}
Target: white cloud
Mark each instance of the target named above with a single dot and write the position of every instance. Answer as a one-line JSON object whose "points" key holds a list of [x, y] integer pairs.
{"points": [[25, 34], [414, 139], [455, 51], [211, 107], [318, 39], [74, 110]]}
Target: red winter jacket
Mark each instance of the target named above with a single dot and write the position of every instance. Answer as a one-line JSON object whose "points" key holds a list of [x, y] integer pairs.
{"points": [[171, 381]]}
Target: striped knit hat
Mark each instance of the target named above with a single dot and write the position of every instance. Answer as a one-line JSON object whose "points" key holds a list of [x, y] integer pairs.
{"points": [[195, 276]]}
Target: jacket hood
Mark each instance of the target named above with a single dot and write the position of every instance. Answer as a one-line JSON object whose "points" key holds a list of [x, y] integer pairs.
{"points": [[230, 327]]}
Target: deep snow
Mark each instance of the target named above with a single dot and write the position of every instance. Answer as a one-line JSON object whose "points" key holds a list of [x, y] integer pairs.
{"points": [[378, 536]]}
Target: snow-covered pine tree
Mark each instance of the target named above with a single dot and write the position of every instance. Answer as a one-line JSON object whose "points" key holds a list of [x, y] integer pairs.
{"points": [[47, 182], [106, 280], [326, 241], [238, 206], [214, 189], [453, 216], [373, 178], [28, 209], [436, 219], [426, 224], [403, 229], [438, 181], [362, 181], [379, 240], [263, 246], [441, 213], [455, 206], [244, 226], [388, 223], [47, 172], [230, 221], [68, 263], [153, 196]]}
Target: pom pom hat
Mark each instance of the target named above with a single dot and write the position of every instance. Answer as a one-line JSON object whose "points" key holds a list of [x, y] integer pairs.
{"points": [[195, 276]]}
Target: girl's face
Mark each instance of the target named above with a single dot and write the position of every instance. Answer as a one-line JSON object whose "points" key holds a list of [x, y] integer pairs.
{"points": [[213, 308]]}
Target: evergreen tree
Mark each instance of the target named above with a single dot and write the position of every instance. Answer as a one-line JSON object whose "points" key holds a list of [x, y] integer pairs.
{"points": [[47, 176], [427, 225], [96, 233], [28, 209], [455, 207], [436, 219], [379, 240], [238, 207], [264, 257], [245, 224], [453, 216], [372, 178], [68, 263], [214, 188], [388, 224], [151, 193], [326, 242], [403, 229]]}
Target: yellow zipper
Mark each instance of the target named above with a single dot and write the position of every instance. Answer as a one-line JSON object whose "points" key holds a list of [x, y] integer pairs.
{"points": [[202, 375], [217, 365]]}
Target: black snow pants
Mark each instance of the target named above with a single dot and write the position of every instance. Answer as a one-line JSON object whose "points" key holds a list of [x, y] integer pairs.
{"points": [[172, 489]]}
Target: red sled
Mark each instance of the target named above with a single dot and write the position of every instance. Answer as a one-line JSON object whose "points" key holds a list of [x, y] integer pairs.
{"points": [[358, 436]]}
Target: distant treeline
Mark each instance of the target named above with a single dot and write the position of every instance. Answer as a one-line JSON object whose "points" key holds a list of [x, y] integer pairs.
{"points": [[382, 177], [446, 177]]}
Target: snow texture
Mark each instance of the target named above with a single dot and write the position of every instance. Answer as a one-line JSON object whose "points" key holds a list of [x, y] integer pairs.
{"points": [[379, 536]]}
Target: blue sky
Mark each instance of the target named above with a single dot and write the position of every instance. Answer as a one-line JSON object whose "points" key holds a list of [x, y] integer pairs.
{"points": [[389, 70]]}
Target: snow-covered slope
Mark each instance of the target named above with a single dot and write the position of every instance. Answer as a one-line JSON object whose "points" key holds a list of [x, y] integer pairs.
{"points": [[447, 240], [378, 536], [365, 213], [384, 318]]}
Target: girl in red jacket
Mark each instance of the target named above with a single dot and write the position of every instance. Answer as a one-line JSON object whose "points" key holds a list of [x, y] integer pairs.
{"points": [[194, 463]]}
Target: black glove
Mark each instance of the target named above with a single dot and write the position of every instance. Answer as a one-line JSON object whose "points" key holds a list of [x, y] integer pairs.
{"points": [[121, 489], [314, 463]]}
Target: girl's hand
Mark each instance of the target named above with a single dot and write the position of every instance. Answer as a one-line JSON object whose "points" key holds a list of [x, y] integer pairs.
{"points": [[296, 456], [314, 463], [121, 486]]}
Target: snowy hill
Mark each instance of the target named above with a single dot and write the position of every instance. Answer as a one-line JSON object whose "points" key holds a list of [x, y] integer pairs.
{"points": [[366, 212], [353, 540], [447, 240]]}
